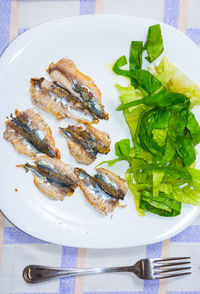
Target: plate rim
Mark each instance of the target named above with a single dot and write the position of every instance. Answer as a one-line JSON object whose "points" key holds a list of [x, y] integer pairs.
{"points": [[8, 50], [139, 244]]}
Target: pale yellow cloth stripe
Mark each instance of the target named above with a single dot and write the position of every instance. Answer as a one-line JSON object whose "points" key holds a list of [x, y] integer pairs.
{"points": [[165, 252], [2, 221], [99, 6], [14, 19], [182, 21], [79, 282]]}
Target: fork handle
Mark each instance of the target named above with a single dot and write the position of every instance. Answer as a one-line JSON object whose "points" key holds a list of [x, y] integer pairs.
{"points": [[35, 273]]}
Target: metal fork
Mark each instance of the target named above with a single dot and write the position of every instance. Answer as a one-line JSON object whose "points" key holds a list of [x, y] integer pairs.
{"points": [[146, 269]]}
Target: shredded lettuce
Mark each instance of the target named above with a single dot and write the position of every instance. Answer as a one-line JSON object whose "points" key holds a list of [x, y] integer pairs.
{"points": [[163, 204], [135, 60], [157, 108], [117, 67], [135, 192], [194, 128], [122, 148], [157, 179], [160, 136], [132, 115], [146, 81], [176, 81], [162, 99], [154, 43]]}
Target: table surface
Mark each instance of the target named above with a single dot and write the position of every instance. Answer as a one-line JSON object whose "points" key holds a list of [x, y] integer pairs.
{"points": [[18, 249]]}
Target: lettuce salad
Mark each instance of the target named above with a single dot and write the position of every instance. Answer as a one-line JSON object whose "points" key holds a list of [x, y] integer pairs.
{"points": [[157, 108]]}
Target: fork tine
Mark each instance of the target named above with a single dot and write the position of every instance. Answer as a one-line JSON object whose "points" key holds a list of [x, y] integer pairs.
{"points": [[169, 264], [169, 258], [171, 276], [172, 270]]}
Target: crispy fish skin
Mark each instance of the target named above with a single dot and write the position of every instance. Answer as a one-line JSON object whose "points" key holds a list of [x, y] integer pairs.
{"points": [[58, 169], [79, 148], [94, 107], [41, 98], [52, 97], [71, 73], [51, 190], [80, 85], [100, 141], [111, 183], [53, 177], [84, 144], [97, 197], [20, 144], [30, 125]]}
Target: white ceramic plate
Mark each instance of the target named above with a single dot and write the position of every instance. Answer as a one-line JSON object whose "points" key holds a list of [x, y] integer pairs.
{"points": [[93, 43]]}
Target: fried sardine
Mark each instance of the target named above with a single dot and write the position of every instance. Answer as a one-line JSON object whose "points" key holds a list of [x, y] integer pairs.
{"points": [[53, 177], [52, 97], [30, 134], [111, 183], [85, 143], [80, 85], [95, 195]]}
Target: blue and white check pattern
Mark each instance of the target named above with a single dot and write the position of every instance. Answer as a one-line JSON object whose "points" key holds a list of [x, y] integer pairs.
{"points": [[18, 249]]}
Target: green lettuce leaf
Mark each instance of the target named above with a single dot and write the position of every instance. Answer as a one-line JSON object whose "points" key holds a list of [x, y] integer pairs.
{"points": [[160, 136], [152, 131], [122, 151], [122, 148], [180, 173], [187, 195], [176, 81], [132, 115], [170, 147], [135, 192], [157, 179], [145, 131], [194, 128], [111, 162], [186, 149], [147, 81], [162, 99], [128, 94], [135, 59], [164, 131], [117, 67], [166, 188], [163, 204], [154, 43]]}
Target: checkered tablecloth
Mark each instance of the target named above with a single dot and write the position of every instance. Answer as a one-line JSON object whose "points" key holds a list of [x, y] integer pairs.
{"points": [[18, 249]]}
